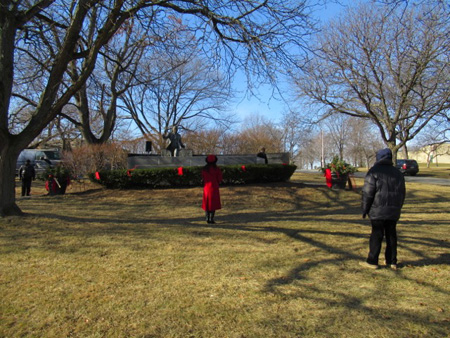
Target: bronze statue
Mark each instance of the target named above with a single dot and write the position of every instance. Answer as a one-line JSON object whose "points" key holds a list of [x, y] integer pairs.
{"points": [[175, 141]]}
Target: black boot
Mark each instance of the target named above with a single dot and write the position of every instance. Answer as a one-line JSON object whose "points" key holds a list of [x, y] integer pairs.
{"points": [[211, 219], [208, 217]]}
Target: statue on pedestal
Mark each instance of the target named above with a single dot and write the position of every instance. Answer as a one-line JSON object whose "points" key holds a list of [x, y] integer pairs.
{"points": [[175, 141]]}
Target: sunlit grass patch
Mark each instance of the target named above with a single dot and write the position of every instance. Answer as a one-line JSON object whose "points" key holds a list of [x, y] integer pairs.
{"points": [[282, 261]]}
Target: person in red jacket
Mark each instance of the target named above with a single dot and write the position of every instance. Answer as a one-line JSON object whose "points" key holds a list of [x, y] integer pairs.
{"points": [[212, 177]]}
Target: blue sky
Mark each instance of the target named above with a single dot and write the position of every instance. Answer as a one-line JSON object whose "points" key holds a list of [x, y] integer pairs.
{"points": [[264, 103]]}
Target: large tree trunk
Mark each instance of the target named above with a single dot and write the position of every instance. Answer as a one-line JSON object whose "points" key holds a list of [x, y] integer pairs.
{"points": [[8, 160], [394, 148], [405, 148]]}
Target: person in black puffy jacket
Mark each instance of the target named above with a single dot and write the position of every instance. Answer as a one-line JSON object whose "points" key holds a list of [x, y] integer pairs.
{"points": [[383, 196]]}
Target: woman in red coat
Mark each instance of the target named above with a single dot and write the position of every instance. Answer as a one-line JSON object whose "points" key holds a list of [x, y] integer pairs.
{"points": [[212, 176]]}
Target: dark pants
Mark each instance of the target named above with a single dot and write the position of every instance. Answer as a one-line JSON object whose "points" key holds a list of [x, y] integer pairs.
{"points": [[210, 216], [379, 230], [174, 151], [26, 186]]}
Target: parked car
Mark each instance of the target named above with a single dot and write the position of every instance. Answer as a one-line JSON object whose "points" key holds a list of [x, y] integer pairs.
{"points": [[41, 159], [409, 167]]}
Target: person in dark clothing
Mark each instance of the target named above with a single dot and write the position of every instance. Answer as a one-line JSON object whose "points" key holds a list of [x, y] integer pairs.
{"points": [[262, 154], [26, 175], [383, 195], [212, 177]]}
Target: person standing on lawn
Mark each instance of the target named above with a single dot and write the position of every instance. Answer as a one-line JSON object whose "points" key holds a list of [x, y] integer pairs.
{"points": [[212, 177], [26, 175], [383, 195]]}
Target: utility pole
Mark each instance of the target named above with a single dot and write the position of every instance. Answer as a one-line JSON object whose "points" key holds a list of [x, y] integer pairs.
{"points": [[322, 160]]}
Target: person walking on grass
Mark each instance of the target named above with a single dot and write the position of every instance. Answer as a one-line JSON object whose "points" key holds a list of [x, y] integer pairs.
{"points": [[26, 175], [212, 177], [383, 195]]}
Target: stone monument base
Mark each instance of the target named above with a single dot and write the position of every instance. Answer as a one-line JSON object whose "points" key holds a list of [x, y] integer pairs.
{"points": [[186, 159]]}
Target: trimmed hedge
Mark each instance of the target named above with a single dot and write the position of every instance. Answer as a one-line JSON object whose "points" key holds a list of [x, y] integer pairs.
{"points": [[191, 176]]}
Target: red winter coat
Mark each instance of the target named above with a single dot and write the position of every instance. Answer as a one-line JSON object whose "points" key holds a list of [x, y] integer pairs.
{"points": [[328, 178], [211, 176]]}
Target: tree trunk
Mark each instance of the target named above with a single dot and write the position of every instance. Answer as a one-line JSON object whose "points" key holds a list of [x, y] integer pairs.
{"points": [[8, 160], [394, 157], [84, 125], [406, 151], [394, 148]]}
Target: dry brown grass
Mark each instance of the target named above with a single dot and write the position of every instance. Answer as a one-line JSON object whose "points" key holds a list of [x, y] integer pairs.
{"points": [[282, 261], [441, 171]]}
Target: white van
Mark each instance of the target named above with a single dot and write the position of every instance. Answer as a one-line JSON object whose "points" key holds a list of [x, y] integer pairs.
{"points": [[41, 159]]}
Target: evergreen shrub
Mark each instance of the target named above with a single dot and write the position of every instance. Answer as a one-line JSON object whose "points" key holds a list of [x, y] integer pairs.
{"points": [[191, 176]]}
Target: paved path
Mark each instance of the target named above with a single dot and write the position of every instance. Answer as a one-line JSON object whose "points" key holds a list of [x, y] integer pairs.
{"points": [[415, 179], [419, 179]]}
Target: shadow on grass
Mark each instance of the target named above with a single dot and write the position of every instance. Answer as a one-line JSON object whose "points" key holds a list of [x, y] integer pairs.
{"points": [[342, 237], [341, 207], [247, 223], [443, 259], [299, 222]]}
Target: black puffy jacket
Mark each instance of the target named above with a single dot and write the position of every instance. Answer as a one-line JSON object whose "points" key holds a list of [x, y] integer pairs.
{"points": [[383, 192]]}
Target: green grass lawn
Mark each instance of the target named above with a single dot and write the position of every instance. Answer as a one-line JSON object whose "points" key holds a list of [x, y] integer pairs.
{"points": [[282, 261]]}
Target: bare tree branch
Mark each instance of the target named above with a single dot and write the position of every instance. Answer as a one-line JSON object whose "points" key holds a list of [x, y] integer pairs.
{"points": [[387, 66]]}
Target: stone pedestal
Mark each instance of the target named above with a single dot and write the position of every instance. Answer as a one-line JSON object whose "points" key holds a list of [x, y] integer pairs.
{"points": [[186, 159]]}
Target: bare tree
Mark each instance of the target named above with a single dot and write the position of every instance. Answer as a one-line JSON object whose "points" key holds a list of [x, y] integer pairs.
{"points": [[314, 150], [205, 141], [433, 141], [410, 2], [118, 62], [230, 143], [434, 150], [386, 65], [362, 143], [175, 87], [338, 132], [24, 31], [256, 132], [262, 36], [296, 134]]}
